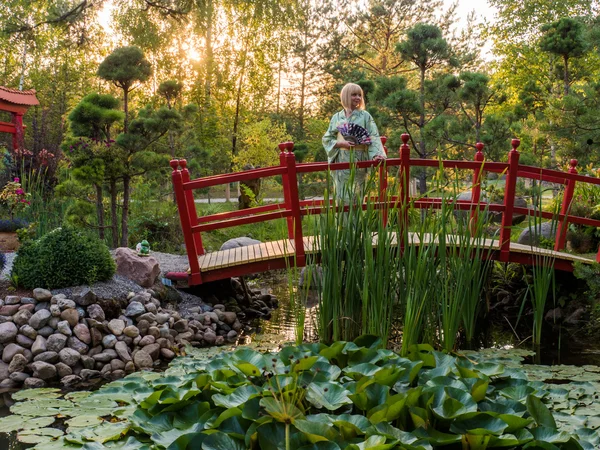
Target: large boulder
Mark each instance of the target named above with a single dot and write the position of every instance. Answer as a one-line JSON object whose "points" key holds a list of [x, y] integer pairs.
{"points": [[143, 270], [532, 235], [238, 242]]}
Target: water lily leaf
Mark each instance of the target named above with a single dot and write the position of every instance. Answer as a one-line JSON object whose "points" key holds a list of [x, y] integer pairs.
{"points": [[59, 444], [327, 395], [317, 431], [38, 408], [364, 355], [350, 426], [321, 371], [215, 422], [373, 442], [281, 411], [368, 341], [419, 417], [39, 435], [306, 363], [479, 424], [248, 369], [166, 438], [77, 396], [540, 412], [189, 440], [518, 393], [107, 431], [83, 421], [321, 446], [479, 390], [221, 441], [361, 370], [436, 438], [36, 394], [490, 369], [514, 422], [388, 376], [16, 422], [422, 352], [335, 354], [238, 397], [552, 435], [391, 432], [510, 440]]}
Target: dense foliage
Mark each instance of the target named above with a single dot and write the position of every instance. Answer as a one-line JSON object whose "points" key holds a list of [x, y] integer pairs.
{"points": [[64, 257]]}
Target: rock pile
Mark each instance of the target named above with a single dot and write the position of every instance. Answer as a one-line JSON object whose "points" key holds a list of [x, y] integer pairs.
{"points": [[51, 337]]}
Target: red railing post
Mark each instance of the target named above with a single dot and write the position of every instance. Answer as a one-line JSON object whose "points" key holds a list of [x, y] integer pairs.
{"points": [[191, 206], [294, 204], [404, 188], [563, 224], [184, 217], [476, 189], [286, 188], [383, 183], [509, 200]]}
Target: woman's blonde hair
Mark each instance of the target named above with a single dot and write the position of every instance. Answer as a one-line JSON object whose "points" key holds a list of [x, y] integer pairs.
{"points": [[346, 95]]}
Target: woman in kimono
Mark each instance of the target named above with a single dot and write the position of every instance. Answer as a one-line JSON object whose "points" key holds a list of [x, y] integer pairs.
{"points": [[340, 150]]}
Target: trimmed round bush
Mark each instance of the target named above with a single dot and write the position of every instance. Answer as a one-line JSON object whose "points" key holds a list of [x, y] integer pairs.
{"points": [[64, 257]]}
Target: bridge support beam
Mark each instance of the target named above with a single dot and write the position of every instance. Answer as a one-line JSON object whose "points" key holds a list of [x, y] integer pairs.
{"points": [[509, 200]]}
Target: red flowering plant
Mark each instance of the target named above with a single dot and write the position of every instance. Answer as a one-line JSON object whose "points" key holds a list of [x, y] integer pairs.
{"points": [[14, 197]]}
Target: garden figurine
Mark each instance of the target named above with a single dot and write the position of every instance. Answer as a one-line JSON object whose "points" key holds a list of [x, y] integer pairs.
{"points": [[143, 248], [352, 136]]}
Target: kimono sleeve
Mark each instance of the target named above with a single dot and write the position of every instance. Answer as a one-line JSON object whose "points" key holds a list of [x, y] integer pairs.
{"points": [[329, 140], [376, 148]]}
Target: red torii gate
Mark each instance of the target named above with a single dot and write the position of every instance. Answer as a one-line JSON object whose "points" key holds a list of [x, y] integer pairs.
{"points": [[16, 103]]}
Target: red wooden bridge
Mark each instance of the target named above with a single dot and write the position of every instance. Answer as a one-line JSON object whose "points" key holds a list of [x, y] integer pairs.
{"points": [[280, 254]]}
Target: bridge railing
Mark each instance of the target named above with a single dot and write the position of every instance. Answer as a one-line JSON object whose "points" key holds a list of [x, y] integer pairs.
{"points": [[293, 209]]}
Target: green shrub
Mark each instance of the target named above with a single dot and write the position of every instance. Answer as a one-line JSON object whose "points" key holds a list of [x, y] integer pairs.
{"points": [[64, 257]]}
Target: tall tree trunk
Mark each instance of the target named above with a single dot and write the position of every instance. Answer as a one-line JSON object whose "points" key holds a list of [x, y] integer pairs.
{"points": [[209, 59], [303, 82], [113, 213], [100, 211], [422, 148], [126, 109], [125, 211], [280, 69]]}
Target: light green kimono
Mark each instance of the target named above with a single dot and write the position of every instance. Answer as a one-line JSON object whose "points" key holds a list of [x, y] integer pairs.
{"points": [[337, 155]]}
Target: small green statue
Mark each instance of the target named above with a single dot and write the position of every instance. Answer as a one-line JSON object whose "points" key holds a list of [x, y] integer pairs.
{"points": [[143, 248]]}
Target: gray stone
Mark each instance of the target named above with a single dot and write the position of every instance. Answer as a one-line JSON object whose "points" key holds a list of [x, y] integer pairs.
{"points": [[123, 351], [28, 301], [53, 322], [143, 326], [28, 331], [149, 317], [71, 316], [34, 383], [181, 325], [8, 332], [70, 380], [12, 300], [210, 338], [41, 305], [531, 235], [87, 374], [95, 350], [40, 318], [88, 362], [135, 309], [19, 377], [22, 317], [63, 327], [7, 383], [63, 370], [96, 336], [229, 317], [131, 331], [55, 298], [238, 242], [55, 310], [220, 340], [232, 335], [103, 358], [9, 310], [10, 351], [116, 326], [83, 333], [96, 312], [151, 307], [17, 364], [153, 350], [42, 370], [47, 357], [39, 345], [65, 303], [84, 296], [69, 356], [143, 270], [81, 312], [77, 345], [166, 353], [142, 360], [109, 340], [45, 331], [42, 295], [117, 364], [56, 342], [147, 340], [154, 332], [24, 341], [4, 370]]}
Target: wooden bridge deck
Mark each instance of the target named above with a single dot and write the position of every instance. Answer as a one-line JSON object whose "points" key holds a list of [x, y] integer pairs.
{"points": [[278, 254]]}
